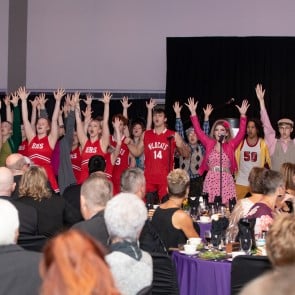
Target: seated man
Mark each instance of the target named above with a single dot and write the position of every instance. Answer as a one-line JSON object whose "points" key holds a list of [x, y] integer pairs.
{"points": [[19, 269], [96, 191]]}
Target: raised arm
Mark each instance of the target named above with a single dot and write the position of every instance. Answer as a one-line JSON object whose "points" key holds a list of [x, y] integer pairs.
{"points": [[126, 105], [82, 137], [23, 94], [207, 112], [9, 116], [16, 136], [178, 122], [182, 147], [243, 122], [149, 119], [269, 132], [105, 137], [34, 104], [53, 135], [115, 153]]}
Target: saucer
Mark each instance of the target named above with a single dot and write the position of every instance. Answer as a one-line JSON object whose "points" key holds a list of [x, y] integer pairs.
{"points": [[189, 253]]}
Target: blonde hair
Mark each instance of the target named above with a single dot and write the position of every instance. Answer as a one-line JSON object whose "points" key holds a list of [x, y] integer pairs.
{"points": [[178, 182], [34, 184], [226, 125]]}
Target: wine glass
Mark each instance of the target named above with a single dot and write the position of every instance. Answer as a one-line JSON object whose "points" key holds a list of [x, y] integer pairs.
{"points": [[207, 236], [246, 245]]}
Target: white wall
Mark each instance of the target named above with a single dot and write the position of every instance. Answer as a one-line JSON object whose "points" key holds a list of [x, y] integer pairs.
{"points": [[4, 13], [121, 45]]}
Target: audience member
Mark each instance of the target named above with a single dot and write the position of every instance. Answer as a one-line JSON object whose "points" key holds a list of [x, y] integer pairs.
{"points": [[281, 149], [18, 267], [17, 164], [170, 221], [96, 191], [263, 211], [280, 241], [243, 206], [51, 209], [133, 181], [220, 144], [125, 216], [251, 152], [73, 263], [72, 193], [27, 214]]}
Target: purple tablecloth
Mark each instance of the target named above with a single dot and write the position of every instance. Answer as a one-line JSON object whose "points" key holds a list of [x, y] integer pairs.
{"points": [[202, 277], [203, 228]]}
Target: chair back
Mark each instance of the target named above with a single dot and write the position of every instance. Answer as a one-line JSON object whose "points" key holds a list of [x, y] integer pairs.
{"points": [[246, 268], [164, 275]]}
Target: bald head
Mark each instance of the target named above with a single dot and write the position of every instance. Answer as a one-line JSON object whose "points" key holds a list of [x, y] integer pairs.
{"points": [[6, 182], [16, 163]]}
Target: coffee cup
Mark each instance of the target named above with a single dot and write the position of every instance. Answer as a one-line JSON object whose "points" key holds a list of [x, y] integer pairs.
{"points": [[189, 249], [194, 241]]}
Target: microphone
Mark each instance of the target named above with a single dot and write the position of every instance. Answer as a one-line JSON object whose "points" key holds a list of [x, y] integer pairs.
{"points": [[170, 137], [230, 101], [221, 138]]}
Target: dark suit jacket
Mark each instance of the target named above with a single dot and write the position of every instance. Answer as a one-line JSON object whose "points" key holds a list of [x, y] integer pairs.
{"points": [[95, 227], [19, 271], [72, 197], [27, 217], [51, 213]]}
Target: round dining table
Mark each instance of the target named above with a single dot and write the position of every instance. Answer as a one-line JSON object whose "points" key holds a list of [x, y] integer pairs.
{"points": [[202, 277]]}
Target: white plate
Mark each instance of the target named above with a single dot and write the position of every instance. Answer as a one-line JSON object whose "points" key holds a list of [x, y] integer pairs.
{"points": [[189, 253]]}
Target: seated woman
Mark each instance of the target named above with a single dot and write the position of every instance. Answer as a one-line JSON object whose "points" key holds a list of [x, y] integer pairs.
{"points": [[131, 267], [244, 205], [171, 222], [73, 263], [51, 209], [263, 211]]}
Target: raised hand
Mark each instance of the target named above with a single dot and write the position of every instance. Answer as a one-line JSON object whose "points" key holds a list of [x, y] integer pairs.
{"points": [[59, 93], [125, 102], [75, 100], [87, 113], [260, 92], [34, 102], [207, 111], [23, 93], [192, 105], [243, 108], [177, 109], [151, 104], [89, 98], [42, 100], [106, 97], [14, 98]]}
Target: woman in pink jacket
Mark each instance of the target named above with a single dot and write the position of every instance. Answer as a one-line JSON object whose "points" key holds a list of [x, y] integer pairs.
{"points": [[220, 136]]}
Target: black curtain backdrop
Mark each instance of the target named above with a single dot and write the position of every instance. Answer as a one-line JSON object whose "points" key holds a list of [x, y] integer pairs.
{"points": [[215, 69]]}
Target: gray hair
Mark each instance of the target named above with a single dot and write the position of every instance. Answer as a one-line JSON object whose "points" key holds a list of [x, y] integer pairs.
{"points": [[9, 223], [125, 216], [132, 179], [97, 190]]}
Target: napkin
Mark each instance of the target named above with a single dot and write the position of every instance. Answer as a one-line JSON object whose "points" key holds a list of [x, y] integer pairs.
{"points": [[246, 229], [218, 229]]}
